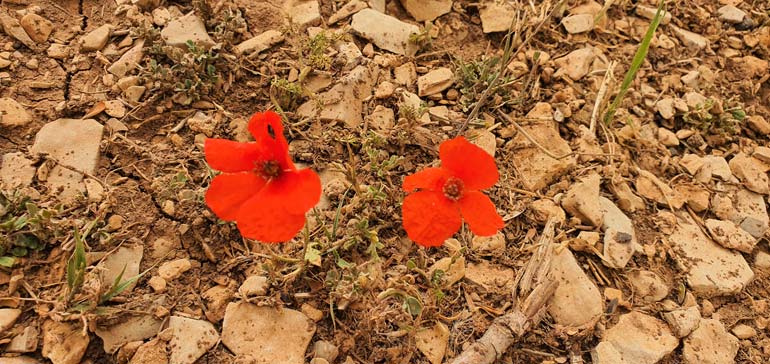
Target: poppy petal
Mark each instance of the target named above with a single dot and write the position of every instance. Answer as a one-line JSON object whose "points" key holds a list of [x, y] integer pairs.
{"points": [[480, 213], [430, 218], [229, 156], [297, 191], [431, 179], [267, 130], [229, 191], [264, 217], [469, 163]]}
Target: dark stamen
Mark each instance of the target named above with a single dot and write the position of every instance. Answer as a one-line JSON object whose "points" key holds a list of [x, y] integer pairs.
{"points": [[453, 188], [270, 169]]}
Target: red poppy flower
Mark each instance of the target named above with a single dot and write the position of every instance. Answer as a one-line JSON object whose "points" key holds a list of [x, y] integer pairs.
{"points": [[450, 193], [260, 188]]}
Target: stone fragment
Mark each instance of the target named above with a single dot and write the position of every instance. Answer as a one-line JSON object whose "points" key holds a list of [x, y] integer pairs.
{"points": [[157, 284], [426, 10], [151, 352], [641, 339], [382, 118], [435, 81], [496, 16], [12, 113], [347, 10], [485, 140], [665, 107], [758, 124], [649, 186], [58, 51], [432, 342], [343, 102], [190, 339], [18, 360], [12, 27], [122, 262], [114, 108], [494, 244], [491, 277], [576, 64], [188, 28], [128, 61], [37, 27], [605, 353], [134, 93], [405, 74], [254, 286], [582, 200], [730, 236], [744, 332], [8, 317], [689, 39], [710, 343], [578, 23], [762, 260], [751, 172], [260, 43], [135, 328], [16, 170], [627, 200], [683, 321], [667, 137], [697, 197], [619, 236], [544, 209], [576, 302], [731, 14], [174, 269], [650, 12], [96, 39], [691, 163], [63, 343], [452, 270], [26, 342], [283, 334], [303, 12], [217, 298], [751, 212], [385, 31], [648, 286]]}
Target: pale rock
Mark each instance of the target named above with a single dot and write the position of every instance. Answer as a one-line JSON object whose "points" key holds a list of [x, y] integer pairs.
{"points": [[37, 27], [283, 334], [261, 42], [190, 339], [491, 277], [382, 118], [201, 122], [26, 342], [695, 100], [254, 286], [586, 241], [12, 27], [432, 342], [576, 302], [325, 350], [691, 79], [217, 298], [691, 163], [665, 107], [384, 90], [576, 64], [115, 108], [605, 353], [303, 12], [58, 51], [649, 13], [125, 260], [544, 209], [648, 286], [689, 39], [435, 81], [157, 284], [627, 200], [190, 27], [751, 213], [72, 142], [762, 260], [730, 236], [134, 328], [63, 343], [311, 312], [12, 113], [710, 269], [8, 317], [18, 360], [161, 16], [485, 140], [667, 137], [343, 102], [426, 10], [620, 241], [762, 154], [538, 169], [405, 74], [649, 186], [378, 5], [347, 10], [718, 167], [641, 339], [128, 61], [494, 244], [174, 269], [758, 124], [385, 31], [496, 16], [16, 170], [124, 83], [151, 352], [710, 343], [749, 66], [96, 39], [578, 23], [134, 93], [744, 332], [683, 321], [453, 270], [730, 14], [696, 196], [582, 200], [751, 172], [317, 81]]}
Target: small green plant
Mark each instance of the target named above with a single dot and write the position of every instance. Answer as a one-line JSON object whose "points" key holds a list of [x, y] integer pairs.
{"points": [[76, 268], [286, 95], [475, 77], [422, 39], [380, 161], [188, 74], [24, 227], [724, 124], [313, 49]]}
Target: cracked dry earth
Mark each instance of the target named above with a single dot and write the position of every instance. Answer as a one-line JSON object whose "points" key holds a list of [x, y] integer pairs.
{"points": [[661, 249]]}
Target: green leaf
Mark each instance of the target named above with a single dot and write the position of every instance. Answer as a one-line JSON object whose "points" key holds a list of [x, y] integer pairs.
{"points": [[7, 262], [32, 209], [412, 305], [118, 287], [19, 251], [313, 255], [76, 266], [342, 263]]}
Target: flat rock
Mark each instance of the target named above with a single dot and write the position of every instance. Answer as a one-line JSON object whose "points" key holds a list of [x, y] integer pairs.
{"points": [[433, 342], [691, 163], [730, 235], [582, 200], [63, 343], [8, 317], [577, 63], [186, 28], [641, 339], [382, 118], [254, 286], [453, 270], [37, 27], [650, 186], [134, 328], [683, 321], [12, 27], [261, 42], [578, 23], [190, 339], [267, 334], [16, 170], [544, 209], [576, 301], [26, 342], [426, 10], [710, 343], [72, 142], [484, 139], [710, 268], [128, 61], [494, 244], [605, 353], [750, 212], [347, 10], [125, 259], [751, 172], [496, 16], [731, 14], [12, 113], [385, 31], [435, 81], [718, 167], [303, 12], [174, 269], [758, 124], [405, 74], [648, 286], [537, 168], [343, 102], [649, 13], [620, 241], [689, 39], [491, 277], [743, 331], [217, 298], [151, 352], [96, 39], [665, 107]]}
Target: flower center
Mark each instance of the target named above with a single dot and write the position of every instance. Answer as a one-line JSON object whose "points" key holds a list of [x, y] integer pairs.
{"points": [[453, 188], [270, 169]]}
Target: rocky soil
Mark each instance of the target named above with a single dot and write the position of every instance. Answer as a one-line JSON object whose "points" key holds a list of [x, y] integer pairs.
{"points": [[661, 251]]}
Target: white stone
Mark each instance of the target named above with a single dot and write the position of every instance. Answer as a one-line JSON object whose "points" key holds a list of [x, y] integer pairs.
{"points": [[135, 328], [125, 259], [648, 286], [186, 28], [577, 63], [649, 13], [435, 81], [12, 113], [96, 39], [344, 101], [730, 14], [730, 236], [641, 339], [578, 23], [683, 321], [128, 61], [426, 10], [260, 43], [385, 31], [114, 108], [347, 10], [491, 277], [254, 286], [8, 317], [665, 107], [710, 343], [576, 301], [16, 170], [190, 339], [452, 270], [303, 12], [744, 332], [496, 16], [582, 200], [63, 343], [26, 342], [432, 342], [174, 269], [691, 40], [494, 244], [751, 172], [606, 353]]}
